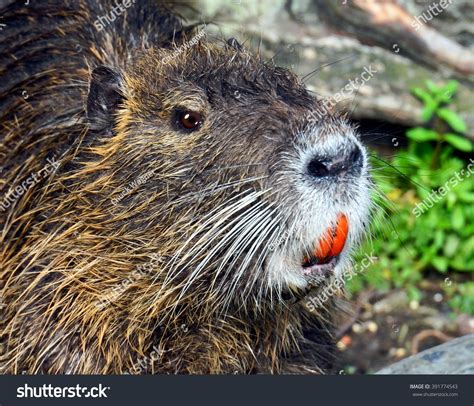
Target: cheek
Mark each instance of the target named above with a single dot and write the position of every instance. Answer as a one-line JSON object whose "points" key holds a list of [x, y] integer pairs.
{"points": [[173, 145]]}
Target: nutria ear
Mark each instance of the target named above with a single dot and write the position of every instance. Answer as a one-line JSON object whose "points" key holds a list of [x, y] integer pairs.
{"points": [[103, 98]]}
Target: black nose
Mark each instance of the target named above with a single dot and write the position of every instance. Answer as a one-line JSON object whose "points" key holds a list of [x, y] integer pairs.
{"points": [[324, 166]]}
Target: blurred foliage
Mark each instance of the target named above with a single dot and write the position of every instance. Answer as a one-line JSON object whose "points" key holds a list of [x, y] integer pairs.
{"points": [[441, 238], [462, 296]]}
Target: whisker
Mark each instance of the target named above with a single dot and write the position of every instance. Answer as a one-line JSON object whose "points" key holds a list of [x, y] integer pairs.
{"points": [[218, 227], [319, 68], [400, 172], [195, 273]]}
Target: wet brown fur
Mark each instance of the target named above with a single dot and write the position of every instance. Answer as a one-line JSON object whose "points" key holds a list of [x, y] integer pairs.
{"points": [[65, 245]]}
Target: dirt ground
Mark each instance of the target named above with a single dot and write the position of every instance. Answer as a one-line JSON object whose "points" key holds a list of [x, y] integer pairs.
{"points": [[385, 328]]}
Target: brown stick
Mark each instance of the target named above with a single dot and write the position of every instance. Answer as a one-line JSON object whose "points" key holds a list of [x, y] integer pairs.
{"points": [[423, 335], [387, 24]]}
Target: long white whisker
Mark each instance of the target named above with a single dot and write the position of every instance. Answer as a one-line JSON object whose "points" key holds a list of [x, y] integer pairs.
{"points": [[218, 247]]}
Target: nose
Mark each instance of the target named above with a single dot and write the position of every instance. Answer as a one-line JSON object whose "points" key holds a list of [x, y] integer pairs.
{"points": [[331, 166]]}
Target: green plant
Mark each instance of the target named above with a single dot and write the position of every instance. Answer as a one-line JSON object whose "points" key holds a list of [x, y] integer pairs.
{"points": [[462, 296], [442, 237], [446, 124]]}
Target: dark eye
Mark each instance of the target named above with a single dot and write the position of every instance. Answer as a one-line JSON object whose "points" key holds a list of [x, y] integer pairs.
{"points": [[189, 120]]}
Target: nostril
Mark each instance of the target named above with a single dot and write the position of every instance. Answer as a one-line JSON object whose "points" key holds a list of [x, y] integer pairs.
{"points": [[356, 158], [350, 162], [317, 169]]}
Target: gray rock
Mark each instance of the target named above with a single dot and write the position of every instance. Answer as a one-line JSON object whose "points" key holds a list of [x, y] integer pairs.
{"points": [[453, 357], [397, 300], [303, 42]]}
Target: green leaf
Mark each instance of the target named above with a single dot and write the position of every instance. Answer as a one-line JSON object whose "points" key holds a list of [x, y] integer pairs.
{"points": [[440, 263], [451, 200], [462, 266], [448, 91], [421, 134], [453, 119], [429, 109], [458, 218], [451, 87], [439, 238], [458, 142], [432, 87], [422, 94], [467, 197], [451, 246], [414, 293]]}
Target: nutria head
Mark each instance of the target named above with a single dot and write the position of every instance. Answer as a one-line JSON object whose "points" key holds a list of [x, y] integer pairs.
{"points": [[201, 187], [243, 181]]}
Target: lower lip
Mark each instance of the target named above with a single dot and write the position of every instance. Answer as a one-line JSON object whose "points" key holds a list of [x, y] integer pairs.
{"points": [[321, 270]]}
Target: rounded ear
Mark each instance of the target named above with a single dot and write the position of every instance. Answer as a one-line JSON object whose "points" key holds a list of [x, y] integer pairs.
{"points": [[103, 99]]}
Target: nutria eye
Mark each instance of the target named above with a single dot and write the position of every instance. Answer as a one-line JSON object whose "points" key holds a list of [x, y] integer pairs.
{"points": [[189, 120]]}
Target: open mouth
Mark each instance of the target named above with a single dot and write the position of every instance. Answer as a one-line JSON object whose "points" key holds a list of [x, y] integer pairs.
{"points": [[325, 255], [315, 267]]}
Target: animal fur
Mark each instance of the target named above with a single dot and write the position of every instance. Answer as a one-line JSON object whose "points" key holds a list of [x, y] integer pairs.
{"points": [[101, 273]]}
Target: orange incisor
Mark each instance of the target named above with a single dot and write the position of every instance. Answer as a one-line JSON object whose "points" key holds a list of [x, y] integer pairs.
{"points": [[332, 242]]}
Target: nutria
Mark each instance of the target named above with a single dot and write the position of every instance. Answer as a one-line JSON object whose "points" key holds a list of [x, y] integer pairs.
{"points": [[163, 197]]}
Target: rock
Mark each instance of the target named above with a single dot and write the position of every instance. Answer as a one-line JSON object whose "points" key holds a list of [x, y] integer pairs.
{"points": [[453, 357], [394, 301], [303, 40]]}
